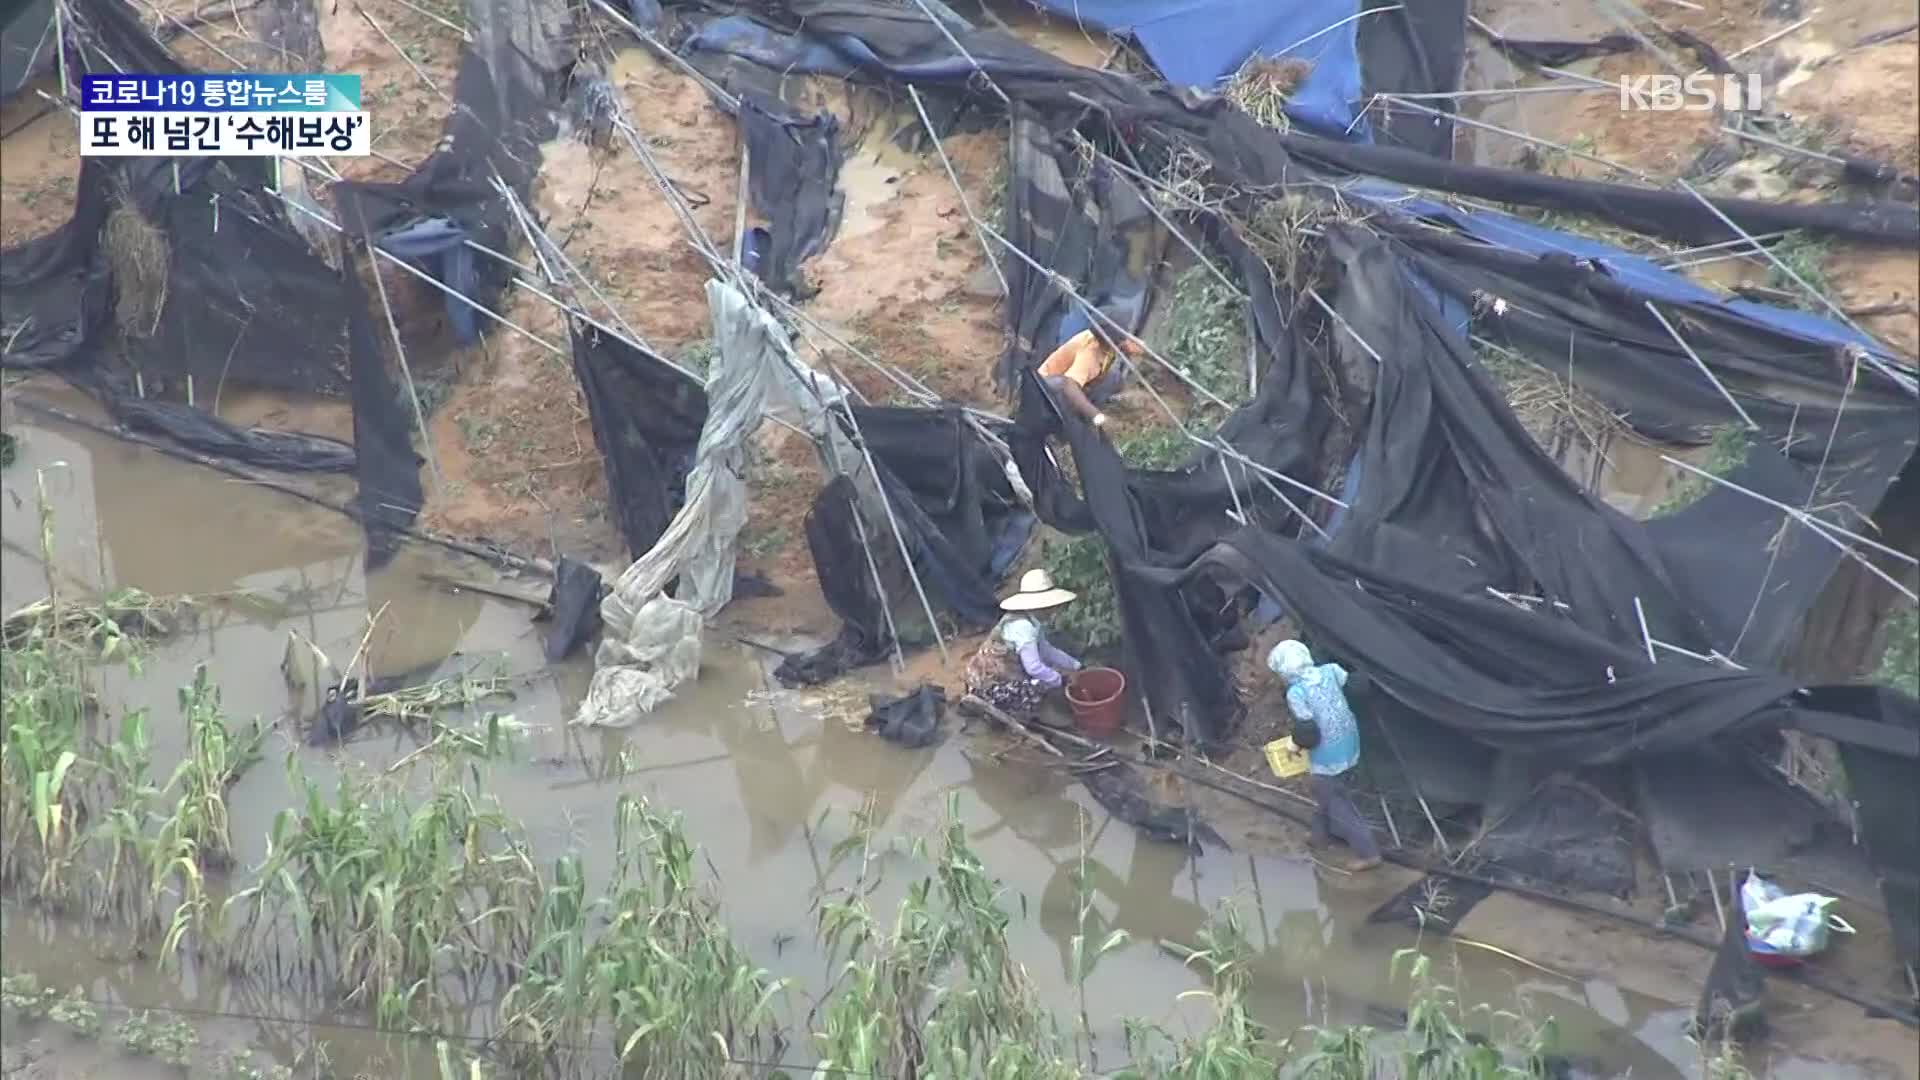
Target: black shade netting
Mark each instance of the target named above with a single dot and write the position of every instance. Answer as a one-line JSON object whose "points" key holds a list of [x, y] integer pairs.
{"points": [[508, 96], [794, 170], [1557, 831], [647, 417]]}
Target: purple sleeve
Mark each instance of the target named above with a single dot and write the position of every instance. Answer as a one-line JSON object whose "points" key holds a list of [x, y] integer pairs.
{"points": [[1060, 661], [1037, 668]]}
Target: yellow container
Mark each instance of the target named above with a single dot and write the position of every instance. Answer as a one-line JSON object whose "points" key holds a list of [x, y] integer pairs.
{"points": [[1285, 759]]}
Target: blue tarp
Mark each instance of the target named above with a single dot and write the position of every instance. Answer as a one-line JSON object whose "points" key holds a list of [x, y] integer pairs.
{"points": [[1637, 271], [1200, 43]]}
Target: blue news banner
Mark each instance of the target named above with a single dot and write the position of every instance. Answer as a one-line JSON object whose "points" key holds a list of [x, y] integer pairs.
{"points": [[222, 116]]}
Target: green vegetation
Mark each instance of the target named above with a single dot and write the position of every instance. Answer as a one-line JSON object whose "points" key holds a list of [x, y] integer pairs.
{"points": [[1900, 662], [1079, 563], [1726, 451], [761, 540], [9, 449], [400, 891], [1206, 333], [698, 356], [1806, 255], [1155, 448], [171, 1041]]}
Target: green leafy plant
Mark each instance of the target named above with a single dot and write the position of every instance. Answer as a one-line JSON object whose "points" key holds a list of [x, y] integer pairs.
{"points": [[1806, 255], [75, 1013], [1161, 447], [1079, 563], [240, 1065], [23, 993], [1899, 665], [1206, 334], [171, 1041]]}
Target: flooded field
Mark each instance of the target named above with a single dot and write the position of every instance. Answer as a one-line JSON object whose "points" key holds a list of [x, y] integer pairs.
{"points": [[772, 786], [792, 808]]}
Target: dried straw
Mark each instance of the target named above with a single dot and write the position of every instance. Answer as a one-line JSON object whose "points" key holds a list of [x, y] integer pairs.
{"points": [[139, 253], [1262, 86]]}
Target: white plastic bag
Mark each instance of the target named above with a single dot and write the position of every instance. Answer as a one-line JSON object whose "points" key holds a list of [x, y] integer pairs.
{"points": [[1787, 925]]}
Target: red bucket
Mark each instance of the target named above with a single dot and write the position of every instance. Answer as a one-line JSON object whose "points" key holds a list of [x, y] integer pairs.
{"points": [[1098, 698]]}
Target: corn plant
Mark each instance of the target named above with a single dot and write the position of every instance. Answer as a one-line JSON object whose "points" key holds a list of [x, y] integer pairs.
{"points": [[216, 756], [124, 834], [939, 995], [42, 773], [1086, 957], [1235, 1044], [682, 998], [386, 898]]}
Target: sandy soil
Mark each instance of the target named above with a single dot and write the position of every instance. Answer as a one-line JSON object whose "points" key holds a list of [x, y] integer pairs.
{"points": [[1840, 100]]}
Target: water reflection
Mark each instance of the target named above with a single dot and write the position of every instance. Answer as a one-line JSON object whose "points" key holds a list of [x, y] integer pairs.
{"points": [[768, 785]]}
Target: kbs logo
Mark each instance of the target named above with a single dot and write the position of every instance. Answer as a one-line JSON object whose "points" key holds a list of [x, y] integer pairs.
{"points": [[1698, 92]]}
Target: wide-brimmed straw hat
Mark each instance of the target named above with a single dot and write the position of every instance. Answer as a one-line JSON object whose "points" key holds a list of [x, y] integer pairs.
{"points": [[1037, 593]]}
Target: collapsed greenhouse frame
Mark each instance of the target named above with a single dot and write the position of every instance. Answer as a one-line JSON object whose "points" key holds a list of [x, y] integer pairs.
{"points": [[1515, 626]]}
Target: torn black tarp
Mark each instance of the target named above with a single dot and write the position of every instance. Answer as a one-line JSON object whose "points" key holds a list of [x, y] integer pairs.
{"points": [[175, 281], [795, 168], [1732, 1001], [834, 541], [647, 417], [912, 720], [961, 522], [508, 97], [573, 605], [390, 495], [1556, 53], [1885, 788], [1119, 789], [1559, 831]]}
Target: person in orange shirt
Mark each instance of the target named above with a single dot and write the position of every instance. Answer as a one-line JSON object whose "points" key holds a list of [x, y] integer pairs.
{"points": [[1076, 365]]}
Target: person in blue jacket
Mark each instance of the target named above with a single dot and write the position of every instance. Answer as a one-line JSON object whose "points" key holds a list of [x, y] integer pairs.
{"points": [[1324, 726]]}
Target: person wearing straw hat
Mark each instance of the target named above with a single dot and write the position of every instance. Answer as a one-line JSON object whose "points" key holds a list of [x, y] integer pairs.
{"points": [[1324, 726], [1077, 364], [1017, 667]]}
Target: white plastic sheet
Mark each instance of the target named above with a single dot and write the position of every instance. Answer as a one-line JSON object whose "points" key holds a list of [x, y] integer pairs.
{"points": [[639, 661]]}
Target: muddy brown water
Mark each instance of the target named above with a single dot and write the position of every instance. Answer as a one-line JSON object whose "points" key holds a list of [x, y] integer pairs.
{"points": [[767, 787]]}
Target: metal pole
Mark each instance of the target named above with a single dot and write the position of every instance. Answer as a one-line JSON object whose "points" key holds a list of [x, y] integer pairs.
{"points": [[400, 353], [934, 137], [1640, 613], [1702, 365], [886, 503]]}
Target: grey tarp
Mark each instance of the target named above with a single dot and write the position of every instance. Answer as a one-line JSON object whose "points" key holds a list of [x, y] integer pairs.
{"points": [[652, 642]]}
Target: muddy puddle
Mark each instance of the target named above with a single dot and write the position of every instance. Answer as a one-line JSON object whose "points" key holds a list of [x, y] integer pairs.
{"points": [[769, 782]]}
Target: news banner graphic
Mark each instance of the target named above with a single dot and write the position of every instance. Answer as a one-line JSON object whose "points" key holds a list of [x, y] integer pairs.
{"points": [[222, 116]]}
